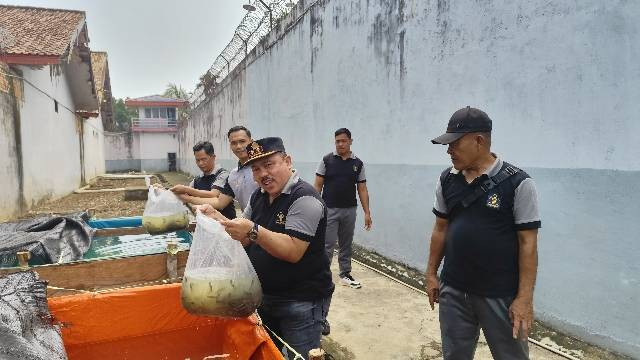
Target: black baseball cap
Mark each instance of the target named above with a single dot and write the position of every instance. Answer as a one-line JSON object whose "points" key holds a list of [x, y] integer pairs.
{"points": [[264, 147], [464, 121]]}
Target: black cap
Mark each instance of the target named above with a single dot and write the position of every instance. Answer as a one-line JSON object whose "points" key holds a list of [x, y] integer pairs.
{"points": [[263, 148], [464, 121]]}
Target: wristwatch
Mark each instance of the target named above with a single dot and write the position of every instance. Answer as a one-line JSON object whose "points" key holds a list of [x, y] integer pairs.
{"points": [[253, 233]]}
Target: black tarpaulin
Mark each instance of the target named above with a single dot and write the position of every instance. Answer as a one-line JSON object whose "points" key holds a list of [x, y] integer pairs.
{"points": [[49, 239]]}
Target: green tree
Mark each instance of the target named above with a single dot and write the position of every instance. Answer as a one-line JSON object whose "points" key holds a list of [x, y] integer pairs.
{"points": [[176, 92], [122, 115]]}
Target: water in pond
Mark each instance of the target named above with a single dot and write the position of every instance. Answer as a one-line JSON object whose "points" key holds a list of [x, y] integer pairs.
{"points": [[142, 244]]}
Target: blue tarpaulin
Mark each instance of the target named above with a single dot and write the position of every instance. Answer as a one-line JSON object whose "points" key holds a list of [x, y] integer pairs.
{"points": [[121, 222]]}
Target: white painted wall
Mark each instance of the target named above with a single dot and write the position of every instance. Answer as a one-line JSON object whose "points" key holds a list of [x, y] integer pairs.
{"points": [[157, 145], [560, 80], [94, 148], [9, 162], [122, 152], [118, 146], [211, 121], [50, 140]]}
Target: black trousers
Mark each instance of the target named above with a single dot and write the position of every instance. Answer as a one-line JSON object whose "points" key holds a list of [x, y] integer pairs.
{"points": [[461, 317]]}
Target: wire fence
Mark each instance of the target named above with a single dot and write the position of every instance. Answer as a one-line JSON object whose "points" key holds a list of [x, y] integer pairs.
{"points": [[261, 17]]}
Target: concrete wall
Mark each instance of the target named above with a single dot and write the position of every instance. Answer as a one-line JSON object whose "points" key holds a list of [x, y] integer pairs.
{"points": [[211, 121], [121, 152], [42, 152], [560, 80], [141, 151], [11, 199], [50, 139], [154, 148], [94, 147]]}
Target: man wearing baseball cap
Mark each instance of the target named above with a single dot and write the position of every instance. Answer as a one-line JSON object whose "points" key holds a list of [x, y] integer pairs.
{"points": [[486, 230], [282, 230]]}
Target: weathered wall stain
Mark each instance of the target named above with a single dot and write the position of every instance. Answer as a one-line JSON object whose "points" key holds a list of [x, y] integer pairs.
{"points": [[394, 71], [12, 192], [315, 33]]}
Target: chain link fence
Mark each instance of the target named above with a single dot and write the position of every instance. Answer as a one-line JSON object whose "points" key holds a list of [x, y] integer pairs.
{"points": [[261, 17]]}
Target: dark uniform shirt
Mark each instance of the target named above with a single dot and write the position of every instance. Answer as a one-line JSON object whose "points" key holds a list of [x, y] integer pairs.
{"points": [[215, 180], [340, 179], [481, 246], [299, 212]]}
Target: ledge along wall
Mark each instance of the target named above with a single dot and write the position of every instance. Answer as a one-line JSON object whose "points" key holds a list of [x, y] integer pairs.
{"points": [[560, 80]]}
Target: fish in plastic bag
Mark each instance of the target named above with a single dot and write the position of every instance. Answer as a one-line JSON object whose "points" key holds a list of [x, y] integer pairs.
{"points": [[219, 279]]}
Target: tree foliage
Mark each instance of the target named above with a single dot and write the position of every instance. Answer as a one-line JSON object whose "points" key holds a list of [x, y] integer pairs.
{"points": [[176, 92], [122, 115]]}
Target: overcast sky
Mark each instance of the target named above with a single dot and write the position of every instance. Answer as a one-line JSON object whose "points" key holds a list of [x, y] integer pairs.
{"points": [[152, 43]]}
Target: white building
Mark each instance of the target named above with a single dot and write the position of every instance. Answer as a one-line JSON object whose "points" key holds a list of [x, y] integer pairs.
{"points": [[51, 128], [152, 143]]}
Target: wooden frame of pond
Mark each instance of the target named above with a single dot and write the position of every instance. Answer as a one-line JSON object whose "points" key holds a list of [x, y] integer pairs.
{"points": [[110, 272]]}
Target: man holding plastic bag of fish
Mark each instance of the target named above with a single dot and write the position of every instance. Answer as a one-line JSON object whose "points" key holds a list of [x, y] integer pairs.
{"points": [[282, 231]]}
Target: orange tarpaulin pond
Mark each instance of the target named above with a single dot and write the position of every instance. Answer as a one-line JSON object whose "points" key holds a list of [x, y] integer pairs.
{"points": [[150, 323]]}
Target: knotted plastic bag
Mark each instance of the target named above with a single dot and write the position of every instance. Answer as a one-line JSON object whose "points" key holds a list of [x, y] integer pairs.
{"points": [[219, 279], [164, 212]]}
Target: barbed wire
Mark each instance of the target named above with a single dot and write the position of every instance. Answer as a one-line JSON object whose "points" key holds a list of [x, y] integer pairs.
{"points": [[261, 17]]}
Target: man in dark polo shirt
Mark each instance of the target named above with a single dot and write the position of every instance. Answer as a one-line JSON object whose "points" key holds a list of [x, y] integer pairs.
{"points": [[283, 230], [209, 184], [338, 176], [486, 229]]}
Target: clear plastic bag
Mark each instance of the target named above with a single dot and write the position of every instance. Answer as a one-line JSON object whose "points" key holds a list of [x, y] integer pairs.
{"points": [[164, 212], [219, 279]]}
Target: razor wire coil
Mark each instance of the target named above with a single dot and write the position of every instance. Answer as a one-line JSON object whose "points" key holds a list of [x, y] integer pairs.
{"points": [[254, 26]]}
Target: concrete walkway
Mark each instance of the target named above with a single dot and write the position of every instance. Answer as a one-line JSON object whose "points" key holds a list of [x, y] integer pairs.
{"points": [[386, 320]]}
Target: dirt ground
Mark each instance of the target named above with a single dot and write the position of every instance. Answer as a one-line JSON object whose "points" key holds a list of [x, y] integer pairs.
{"points": [[106, 183], [384, 317], [105, 205]]}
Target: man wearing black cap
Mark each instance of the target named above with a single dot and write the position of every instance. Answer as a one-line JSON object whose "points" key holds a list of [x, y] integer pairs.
{"points": [[486, 229], [283, 230]]}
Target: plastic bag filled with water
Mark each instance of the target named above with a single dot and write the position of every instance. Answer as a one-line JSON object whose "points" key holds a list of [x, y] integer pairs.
{"points": [[164, 212], [219, 279]]}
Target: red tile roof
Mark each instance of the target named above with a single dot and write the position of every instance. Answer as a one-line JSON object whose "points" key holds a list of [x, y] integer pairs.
{"points": [[38, 31]]}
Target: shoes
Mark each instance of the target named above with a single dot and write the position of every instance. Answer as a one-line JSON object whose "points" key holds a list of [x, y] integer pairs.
{"points": [[348, 280], [326, 328]]}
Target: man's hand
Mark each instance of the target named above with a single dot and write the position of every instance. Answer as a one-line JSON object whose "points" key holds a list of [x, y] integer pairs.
{"points": [[183, 197], [521, 314], [179, 189], [433, 289], [367, 222], [238, 228], [210, 211]]}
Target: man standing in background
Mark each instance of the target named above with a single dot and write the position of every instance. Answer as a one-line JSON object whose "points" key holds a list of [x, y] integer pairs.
{"points": [[240, 183], [207, 185], [338, 176]]}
